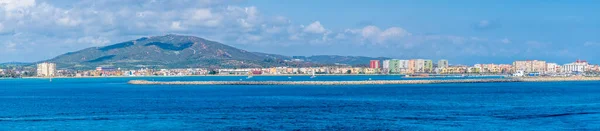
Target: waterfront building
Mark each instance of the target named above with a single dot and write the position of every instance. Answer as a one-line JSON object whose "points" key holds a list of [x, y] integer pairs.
{"points": [[442, 63], [46, 69], [530, 66], [403, 66], [552, 68], [422, 66], [419, 66], [505, 68], [374, 64], [386, 67], [427, 66], [475, 69], [454, 70], [411, 67], [578, 66], [593, 68]]}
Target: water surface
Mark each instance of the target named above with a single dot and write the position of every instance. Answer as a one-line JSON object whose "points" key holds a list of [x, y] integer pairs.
{"points": [[111, 104]]}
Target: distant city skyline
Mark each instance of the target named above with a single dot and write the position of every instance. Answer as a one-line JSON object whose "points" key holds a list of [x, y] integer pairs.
{"points": [[462, 32]]}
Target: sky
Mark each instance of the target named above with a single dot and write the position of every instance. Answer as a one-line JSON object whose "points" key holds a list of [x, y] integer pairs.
{"points": [[461, 31]]}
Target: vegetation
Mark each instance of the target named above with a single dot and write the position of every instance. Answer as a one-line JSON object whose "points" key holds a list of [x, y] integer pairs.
{"points": [[103, 58], [168, 46], [175, 51], [117, 46]]}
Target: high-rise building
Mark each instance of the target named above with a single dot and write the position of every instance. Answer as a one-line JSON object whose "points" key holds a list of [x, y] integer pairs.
{"points": [[530, 66], [398, 66], [46, 69], [442, 63], [427, 66], [411, 67], [423, 66], [419, 65], [374, 64], [386, 66]]}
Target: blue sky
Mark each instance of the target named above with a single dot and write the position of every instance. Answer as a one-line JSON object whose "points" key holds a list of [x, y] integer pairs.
{"points": [[465, 31]]}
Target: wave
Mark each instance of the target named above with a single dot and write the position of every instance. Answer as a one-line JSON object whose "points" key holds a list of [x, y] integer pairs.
{"points": [[536, 116]]}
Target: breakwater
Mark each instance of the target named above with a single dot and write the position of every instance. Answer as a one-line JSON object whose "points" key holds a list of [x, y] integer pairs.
{"points": [[373, 82], [370, 82]]}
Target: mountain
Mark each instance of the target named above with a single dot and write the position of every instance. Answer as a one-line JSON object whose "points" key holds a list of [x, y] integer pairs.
{"points": [[177, 51], [16, 63], [170, 51]]}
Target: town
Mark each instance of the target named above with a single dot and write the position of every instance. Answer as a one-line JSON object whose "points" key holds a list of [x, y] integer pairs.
{"points": [[411, 68]]}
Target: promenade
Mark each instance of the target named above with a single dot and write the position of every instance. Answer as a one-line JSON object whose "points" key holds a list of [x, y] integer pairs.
{"points": [[370, 82]]}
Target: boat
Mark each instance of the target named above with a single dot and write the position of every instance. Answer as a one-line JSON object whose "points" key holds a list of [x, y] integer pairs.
{"points": [[313, 75], [249, 75]]}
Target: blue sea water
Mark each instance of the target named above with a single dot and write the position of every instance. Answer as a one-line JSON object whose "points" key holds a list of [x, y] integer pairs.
{"points": [[112, 104]]}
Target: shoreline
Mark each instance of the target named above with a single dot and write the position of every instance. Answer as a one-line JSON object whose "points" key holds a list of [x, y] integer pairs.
{"points": [[373, 82], [282, 75]]}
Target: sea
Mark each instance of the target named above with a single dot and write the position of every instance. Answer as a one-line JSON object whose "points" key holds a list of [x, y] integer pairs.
{"points": [[112, 104]]}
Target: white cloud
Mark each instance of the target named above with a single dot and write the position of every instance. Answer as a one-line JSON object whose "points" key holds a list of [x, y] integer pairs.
{"points": [[590, 43], [67, 21], [340, 36], [483, 23], [95, 41], [11, 5], [505, 41], [176, 25], [9, 46], [370, 31], [394, 32], [315, 27], [202, 14], [376, 36]]}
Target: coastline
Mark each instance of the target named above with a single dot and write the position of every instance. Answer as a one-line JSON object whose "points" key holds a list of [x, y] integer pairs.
{"points": [[401, 75], [373, 82]]}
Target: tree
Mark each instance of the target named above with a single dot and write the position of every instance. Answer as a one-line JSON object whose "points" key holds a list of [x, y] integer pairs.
{"points": [[349, 72]]}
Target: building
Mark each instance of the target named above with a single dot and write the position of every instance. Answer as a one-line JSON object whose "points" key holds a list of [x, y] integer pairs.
{"points": [[374, 64], [419, 66], [578, 66], [454, 70], [46, 69], [427, 66], [530, 66], [442, 63], [422, 66], [386, 66], [552, 68], [411, 67]]}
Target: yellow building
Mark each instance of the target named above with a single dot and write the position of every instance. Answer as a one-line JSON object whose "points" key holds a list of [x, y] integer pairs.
{"points": [[46, 69]]}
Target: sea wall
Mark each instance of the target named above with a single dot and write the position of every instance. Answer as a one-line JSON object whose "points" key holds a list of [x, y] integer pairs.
{"points": [[373, 82], [558, 79]]}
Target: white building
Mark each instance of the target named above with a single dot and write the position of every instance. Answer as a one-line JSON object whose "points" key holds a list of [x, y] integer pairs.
{"points": [[575, 67], [419, 65], [386, 64], [403, 65], [386, 67], [46, 69], [552, 68], [442, 63]]}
